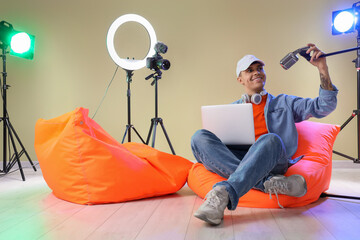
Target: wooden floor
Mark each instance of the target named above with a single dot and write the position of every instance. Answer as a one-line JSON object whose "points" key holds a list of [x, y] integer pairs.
{"points": [[28, 210]]}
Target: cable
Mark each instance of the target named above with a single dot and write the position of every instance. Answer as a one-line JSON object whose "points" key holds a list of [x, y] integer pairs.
{"points": [[117, 67], [3, 174]]}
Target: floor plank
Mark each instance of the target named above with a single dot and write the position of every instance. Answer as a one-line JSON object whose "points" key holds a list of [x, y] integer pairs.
{"points": [[255, 223], [300, 223], [82, 223], [345, 179], [127, 221], [22, 210], [200, 230], [338, 220], [170, 219], [38, 225], [351, 205]]}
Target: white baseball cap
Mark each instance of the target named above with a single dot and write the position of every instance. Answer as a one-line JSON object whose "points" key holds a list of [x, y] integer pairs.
{"points": [[245, 62]]}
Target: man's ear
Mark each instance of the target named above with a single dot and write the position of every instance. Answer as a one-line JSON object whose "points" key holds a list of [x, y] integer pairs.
{"points": [[239, 79]]}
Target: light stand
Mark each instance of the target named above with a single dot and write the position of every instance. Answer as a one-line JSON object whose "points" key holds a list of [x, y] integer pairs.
{"points": [[156, 120], [127, 64], [355, 113], [129, 126], [9, 131]]}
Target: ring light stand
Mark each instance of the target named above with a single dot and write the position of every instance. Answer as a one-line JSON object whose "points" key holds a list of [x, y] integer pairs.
{"points": [[129, 126], [129, 65]]}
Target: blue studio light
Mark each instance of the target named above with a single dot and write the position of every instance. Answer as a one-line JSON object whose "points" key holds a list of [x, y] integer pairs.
{"points": [[343, 21]]}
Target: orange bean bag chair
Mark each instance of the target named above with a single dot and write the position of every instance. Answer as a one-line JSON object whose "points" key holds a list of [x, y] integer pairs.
{"points": [[83, 164], [315, 141]]}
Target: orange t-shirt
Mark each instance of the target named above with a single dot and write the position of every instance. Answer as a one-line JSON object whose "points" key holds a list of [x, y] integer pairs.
{"points": [[259, 118]]}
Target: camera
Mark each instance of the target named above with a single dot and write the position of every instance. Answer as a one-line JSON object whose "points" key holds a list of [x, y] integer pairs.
{"points": [[157, 62]]}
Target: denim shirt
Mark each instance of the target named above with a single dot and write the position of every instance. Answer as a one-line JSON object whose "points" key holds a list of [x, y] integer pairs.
{"points": [[283, 111]]}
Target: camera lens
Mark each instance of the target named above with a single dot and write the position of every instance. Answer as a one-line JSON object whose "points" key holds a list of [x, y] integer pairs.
{"points": [[163, 64]]}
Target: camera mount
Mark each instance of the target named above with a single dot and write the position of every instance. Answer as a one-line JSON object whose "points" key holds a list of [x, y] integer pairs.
{"points": [[156, 120]]}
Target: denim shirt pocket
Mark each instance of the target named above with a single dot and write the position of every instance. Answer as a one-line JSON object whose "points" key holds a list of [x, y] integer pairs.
{"points": [[276, 114], [276, 111]]}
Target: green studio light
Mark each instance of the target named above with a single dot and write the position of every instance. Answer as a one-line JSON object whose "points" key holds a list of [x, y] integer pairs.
{"points": [[21, 44]]}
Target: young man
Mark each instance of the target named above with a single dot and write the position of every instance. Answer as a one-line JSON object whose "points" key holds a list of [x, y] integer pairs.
{"points": [[262, 165]]}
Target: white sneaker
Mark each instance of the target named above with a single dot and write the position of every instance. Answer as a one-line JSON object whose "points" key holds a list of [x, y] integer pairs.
{"points": [[294, 185], [212, 210]]}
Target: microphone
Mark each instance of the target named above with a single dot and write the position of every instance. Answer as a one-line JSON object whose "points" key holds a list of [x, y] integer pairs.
{"points": [[290, 59], [160, 47]]}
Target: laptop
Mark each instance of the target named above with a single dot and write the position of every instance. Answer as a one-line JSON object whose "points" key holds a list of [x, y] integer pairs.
{"points": [[232, 123]]}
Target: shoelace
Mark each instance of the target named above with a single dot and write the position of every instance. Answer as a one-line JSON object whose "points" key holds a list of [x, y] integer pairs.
{"points": [[277, 197], [213, 199], [278, 186]]}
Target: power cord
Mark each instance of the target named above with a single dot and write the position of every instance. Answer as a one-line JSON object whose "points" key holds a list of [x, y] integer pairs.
{"points": [[117, 67]]}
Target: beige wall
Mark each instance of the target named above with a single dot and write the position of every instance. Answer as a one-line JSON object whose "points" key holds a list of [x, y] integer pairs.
{"points": [[72, 67]]}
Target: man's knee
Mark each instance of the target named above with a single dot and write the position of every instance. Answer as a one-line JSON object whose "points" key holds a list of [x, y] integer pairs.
{"points": [[274, 142], [200, 137], [272, 139]]}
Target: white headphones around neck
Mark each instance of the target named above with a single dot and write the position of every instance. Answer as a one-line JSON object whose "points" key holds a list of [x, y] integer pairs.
{"points": [[255, 98]]}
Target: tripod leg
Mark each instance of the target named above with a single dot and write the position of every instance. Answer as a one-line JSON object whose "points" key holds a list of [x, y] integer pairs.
{"points": [[126, 130], [354, 114], [149, 134], [17, 158], [154, 134], [346, 156], [348, 120], [22, 146], [167, 137], [324, 195], [137, 133]]}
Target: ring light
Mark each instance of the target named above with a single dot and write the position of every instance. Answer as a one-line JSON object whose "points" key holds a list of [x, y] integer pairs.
{"points": [[129, 64]]}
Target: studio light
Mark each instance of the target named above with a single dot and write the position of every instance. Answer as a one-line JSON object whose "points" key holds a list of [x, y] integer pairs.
{"points": [[21, 44], [130, 64], [346, 21]]}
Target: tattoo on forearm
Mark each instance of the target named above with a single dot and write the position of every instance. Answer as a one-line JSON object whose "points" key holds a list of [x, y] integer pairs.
{"points": [[326, 82]]}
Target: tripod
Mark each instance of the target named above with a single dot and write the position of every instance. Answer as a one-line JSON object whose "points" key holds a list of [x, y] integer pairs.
{"points": [[354, 113], [156, 120], [9, 132], [129, 126]]}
